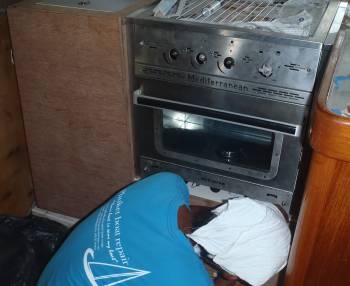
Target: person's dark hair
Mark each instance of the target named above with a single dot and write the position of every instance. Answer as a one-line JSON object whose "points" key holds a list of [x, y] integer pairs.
{"points": [[201, 216]]}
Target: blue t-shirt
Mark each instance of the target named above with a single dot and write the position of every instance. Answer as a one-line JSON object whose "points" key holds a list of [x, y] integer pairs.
{"points": [[132, 240]]}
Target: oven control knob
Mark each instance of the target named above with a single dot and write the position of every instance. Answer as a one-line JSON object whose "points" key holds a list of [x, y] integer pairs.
{"points": [[266, 70], [201, 58], [174, 54], [229, 62]]}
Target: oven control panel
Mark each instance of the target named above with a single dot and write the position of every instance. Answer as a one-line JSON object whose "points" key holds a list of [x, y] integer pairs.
{"points": [[257, 67]]}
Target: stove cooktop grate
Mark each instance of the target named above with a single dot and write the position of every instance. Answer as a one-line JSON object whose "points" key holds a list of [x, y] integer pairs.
{"points": [[230, 11]]}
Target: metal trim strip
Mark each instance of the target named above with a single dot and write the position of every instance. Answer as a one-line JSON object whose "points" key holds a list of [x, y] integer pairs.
{"points": [[244, 120], [276, 93]]}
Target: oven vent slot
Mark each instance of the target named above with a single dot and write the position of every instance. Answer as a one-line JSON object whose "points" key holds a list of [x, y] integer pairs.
{"points": [[296, 67], [278, 93]]}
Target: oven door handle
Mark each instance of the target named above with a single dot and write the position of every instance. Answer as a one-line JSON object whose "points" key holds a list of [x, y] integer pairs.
{"points": [[221, 115]]}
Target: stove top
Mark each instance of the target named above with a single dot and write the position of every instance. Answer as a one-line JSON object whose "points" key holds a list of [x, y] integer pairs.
{"points": [[296, 17], [308, 20]]}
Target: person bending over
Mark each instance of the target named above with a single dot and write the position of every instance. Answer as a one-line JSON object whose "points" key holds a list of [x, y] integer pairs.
{"points": [[147, 235]]}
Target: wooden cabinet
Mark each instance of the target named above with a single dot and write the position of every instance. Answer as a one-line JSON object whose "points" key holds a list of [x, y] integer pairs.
{"points": [[72, 69], [320, 254], [16, 195]]}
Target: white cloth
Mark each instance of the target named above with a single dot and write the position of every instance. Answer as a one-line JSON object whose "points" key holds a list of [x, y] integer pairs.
{"points": [[247, 238]]}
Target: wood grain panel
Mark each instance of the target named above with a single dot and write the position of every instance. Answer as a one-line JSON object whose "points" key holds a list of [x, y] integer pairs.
{"points": [[75, 105], [16, 195]]}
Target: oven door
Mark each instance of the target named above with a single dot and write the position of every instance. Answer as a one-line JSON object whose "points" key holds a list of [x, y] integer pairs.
{"points": [[217, 144], [216, 139]]}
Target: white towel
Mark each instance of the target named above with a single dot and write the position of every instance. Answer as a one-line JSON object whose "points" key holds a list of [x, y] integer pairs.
{"points": [[248, 238]]}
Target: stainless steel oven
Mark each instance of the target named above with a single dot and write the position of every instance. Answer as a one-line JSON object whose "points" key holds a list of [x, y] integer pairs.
{"points": [[226, 103]]}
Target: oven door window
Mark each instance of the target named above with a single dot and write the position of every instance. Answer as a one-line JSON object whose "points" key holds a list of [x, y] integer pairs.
{"points": [[216, 144]]}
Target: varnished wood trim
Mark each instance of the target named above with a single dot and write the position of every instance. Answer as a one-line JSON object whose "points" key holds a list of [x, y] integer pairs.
{"points": [[330, 133], [128, 86], [321, 249]]}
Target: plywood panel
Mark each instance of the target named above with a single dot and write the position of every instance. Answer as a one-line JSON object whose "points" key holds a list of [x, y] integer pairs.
{"points": [[76, 108], [16, 196]]}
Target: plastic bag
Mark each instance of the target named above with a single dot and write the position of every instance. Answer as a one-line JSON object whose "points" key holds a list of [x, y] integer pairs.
{"points": [[26, 246]]}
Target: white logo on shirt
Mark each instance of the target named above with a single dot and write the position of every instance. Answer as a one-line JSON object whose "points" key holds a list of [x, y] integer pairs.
{"points": [[123, 273]]}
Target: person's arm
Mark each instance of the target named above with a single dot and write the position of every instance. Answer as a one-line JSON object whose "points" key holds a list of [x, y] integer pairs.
{"points": [[226, 279], [223, 282]]}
